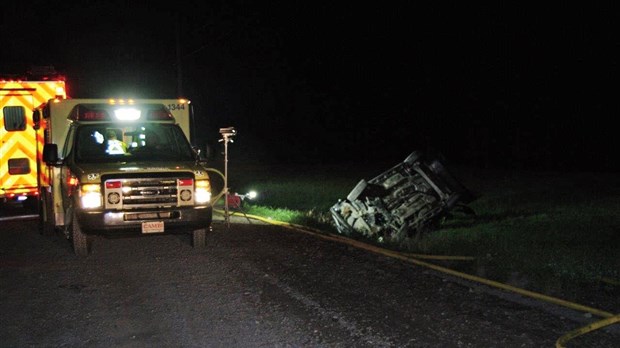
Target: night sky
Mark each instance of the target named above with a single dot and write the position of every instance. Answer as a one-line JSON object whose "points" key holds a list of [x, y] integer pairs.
{"points": [[515, 86]]}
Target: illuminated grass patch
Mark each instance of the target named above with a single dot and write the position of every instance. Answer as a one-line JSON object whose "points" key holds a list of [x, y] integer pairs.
{"points": [[541, 230]]}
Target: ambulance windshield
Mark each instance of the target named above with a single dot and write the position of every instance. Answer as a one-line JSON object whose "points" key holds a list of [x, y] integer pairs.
{"points": [[110, 142]]}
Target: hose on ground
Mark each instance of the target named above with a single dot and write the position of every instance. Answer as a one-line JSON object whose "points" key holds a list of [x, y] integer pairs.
{"points": [[215, 198], [610, 318], [561, 342]]}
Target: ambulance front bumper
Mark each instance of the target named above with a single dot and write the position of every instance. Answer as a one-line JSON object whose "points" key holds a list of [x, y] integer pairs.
{"points": [[142, 221]]}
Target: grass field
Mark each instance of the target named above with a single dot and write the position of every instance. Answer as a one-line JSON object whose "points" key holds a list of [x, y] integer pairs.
{"points": [[543, 231]]}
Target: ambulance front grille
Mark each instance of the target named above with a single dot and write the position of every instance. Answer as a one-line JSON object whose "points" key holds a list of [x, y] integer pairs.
{"points": [[145, 192], [149, 192]]}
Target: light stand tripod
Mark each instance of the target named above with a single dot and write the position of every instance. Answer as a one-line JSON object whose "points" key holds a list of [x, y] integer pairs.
{"points": [[227, 134]]}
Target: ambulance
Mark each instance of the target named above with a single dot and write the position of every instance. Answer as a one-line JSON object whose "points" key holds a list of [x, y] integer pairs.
{"points": [[20, 142], [121, 167]]}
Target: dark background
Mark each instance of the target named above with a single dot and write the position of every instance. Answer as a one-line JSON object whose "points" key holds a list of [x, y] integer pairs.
{"points": [[516, 86]]}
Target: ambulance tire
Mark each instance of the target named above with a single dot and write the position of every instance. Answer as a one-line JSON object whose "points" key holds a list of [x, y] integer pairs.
{"points": [[46, 215], [199, 238], [79, 239]]}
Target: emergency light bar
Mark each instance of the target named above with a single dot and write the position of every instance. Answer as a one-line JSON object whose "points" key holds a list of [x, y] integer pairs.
{"points": [[158, 115], [94, 115], [103, 112]]}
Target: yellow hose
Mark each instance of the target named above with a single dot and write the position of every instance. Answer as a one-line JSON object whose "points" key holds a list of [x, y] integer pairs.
{"points": [[610, 281], [222, 192], [440, 257], [560, 343], [413, 258]]}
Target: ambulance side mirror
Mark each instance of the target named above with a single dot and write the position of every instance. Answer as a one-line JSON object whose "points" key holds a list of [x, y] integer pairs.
{"points": [[198, 155], [36, 119], [196, 150], [50, 154]]}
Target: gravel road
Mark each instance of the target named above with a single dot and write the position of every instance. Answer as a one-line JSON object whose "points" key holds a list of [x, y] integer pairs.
{"points": [[255, 285]]}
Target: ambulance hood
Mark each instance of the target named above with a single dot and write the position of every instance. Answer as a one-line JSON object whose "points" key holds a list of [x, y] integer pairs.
{"points": [[92, 172]]}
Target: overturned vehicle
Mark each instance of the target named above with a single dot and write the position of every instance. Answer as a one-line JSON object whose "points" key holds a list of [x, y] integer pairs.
{"points": [[403, 202]]}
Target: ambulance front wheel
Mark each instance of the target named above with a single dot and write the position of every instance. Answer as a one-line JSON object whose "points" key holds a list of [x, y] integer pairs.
{"points": [[79, 239], [199, 238]]}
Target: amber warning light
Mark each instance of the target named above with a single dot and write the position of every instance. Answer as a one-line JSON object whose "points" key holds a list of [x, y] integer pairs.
{"points": [[60, 92]]}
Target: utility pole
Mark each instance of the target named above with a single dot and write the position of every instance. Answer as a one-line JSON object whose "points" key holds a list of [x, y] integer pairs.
{"points": [[179, 58]]}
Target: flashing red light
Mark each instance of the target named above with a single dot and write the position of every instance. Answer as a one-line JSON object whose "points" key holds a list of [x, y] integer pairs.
{"points": [[113, 184], [186, 182], [159, 115], [93, 115], [73, 181]]}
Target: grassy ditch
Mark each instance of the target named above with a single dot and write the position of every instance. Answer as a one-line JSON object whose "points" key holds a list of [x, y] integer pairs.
{"points": [[557, 233]]}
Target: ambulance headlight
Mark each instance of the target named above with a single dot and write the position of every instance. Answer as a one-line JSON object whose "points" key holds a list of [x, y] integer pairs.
{"points": [[90, 196], [203, 192]]}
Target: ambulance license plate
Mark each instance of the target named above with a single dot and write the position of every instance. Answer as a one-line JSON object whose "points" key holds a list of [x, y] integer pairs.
{"points": [[153, 227]]}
